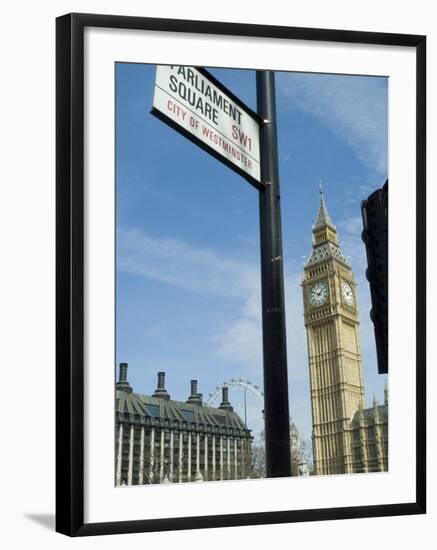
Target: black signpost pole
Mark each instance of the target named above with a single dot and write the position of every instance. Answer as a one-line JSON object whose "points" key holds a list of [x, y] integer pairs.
{"points": [[276, 410]]}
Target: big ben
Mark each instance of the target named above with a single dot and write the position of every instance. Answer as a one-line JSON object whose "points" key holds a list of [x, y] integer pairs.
{"points": [[332, 326]]}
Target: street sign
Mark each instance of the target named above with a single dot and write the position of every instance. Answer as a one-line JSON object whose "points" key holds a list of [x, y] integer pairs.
{"points": [[195, 104]]}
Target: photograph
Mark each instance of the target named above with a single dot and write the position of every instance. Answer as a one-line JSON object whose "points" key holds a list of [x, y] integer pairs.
{"points": [[188, 372], [240, 304], [216, 270]]}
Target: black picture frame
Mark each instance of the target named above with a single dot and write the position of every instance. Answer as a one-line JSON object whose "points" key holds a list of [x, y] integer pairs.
{"points": [[70, 273]]}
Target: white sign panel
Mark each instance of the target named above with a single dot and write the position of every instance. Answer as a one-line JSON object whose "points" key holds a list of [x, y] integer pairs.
{"points": [[194, 103]]}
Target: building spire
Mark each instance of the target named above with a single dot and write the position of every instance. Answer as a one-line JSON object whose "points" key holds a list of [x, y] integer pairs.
{"points": [[323, 217], [325, 239]]}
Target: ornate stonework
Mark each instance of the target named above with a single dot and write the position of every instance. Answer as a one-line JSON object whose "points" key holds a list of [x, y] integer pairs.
{"points": [[332, 324], [159, 440]]}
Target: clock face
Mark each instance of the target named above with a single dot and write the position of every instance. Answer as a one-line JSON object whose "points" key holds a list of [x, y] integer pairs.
{"points": [[348, 295], [319, 294]]}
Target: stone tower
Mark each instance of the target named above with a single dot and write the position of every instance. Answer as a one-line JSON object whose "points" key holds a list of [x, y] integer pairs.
{"points": [[331, 321]]}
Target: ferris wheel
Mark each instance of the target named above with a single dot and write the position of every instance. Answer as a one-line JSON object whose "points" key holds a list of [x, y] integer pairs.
{"points": [[248, 402]]}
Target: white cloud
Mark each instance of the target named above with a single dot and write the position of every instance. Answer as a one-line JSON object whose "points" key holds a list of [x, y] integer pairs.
{"points": [[354, 108], [194, 269], [353, 225], [241, 342], [177, 263], [238, 340]]}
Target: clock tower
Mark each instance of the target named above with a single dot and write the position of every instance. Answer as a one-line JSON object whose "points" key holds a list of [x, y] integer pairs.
{"points": [[332, 321]]}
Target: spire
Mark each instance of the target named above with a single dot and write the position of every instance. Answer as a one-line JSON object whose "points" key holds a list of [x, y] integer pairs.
{"points": [[323, 217], [325, 239]]}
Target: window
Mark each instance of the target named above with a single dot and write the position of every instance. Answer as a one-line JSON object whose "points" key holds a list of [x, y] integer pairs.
{"points": [[188, 415], [153, 410]]}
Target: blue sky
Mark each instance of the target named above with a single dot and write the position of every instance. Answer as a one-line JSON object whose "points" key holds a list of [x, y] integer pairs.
{"points": [[188, 279]]}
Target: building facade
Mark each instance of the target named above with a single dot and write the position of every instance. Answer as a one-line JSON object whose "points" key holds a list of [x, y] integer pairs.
{"points": [[369, 428], [337, 389], [159, 440], [299, 464]]}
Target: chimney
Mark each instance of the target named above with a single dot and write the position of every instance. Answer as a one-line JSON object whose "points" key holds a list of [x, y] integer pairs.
{"points": [[123, 384], [225, 400], [195, 398], [160, 391]]}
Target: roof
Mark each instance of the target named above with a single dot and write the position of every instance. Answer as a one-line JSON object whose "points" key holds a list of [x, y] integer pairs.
{"points": [[369, 415], [323, 218], [153, 409], [328, 249], [325, 251]]}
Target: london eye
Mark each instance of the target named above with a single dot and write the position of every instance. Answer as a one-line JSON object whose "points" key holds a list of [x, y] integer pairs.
{"points": [[247, 400]]}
